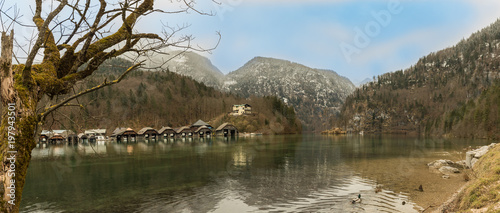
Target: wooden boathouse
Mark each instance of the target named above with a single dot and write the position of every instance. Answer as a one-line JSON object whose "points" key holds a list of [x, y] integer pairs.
{"points": [[147, 133], [199, 124], [184, 131], [124, 134], [203, 131], [167, 132], [58, 136], [83, 138], [227, 130], [45, 136], [96, 134], [57, 139]]}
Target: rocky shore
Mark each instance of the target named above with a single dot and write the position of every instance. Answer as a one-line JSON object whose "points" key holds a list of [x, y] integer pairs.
{"points": [[471, 157], [448, 167], [482, 177]]}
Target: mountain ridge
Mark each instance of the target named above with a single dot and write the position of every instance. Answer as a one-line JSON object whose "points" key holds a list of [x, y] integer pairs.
{"points": [[316, 94], [198, 67]]}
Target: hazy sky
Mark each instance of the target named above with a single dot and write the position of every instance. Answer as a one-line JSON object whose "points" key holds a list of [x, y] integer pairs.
{"points": [[358, 39]]}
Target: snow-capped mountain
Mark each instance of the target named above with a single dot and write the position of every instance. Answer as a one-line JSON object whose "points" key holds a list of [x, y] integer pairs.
{"points": [[315, 94], [197, 67]]}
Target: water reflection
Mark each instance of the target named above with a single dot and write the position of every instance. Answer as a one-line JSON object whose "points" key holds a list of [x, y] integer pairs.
{"points": [[119, 148], [276, 173]]}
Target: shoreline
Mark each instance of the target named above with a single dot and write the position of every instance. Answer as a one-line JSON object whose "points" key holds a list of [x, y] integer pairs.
{"points": [[437, 190], [482, 170], [449, 204]]}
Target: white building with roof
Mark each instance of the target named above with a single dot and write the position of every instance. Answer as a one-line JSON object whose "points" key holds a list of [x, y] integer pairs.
{"points": [[242, 109]]}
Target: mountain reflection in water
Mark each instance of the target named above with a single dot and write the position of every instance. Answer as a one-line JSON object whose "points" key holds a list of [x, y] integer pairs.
{"points": [[294, 173]]}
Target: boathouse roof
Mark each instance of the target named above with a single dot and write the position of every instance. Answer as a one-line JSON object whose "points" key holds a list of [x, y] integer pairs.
{"points": [[57, 136], [179, 130], [121, 130], [95, 131], [200, 123], [224, 125], [144, 130], [165, 128], [201, 127]]}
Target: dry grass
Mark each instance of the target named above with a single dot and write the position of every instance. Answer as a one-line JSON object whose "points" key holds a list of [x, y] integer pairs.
{"points": [[483, 193]]}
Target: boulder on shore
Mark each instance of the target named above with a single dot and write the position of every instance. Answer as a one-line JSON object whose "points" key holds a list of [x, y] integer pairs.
{"points": [[445, 167], [448, 170], [471, 157], [440, 163], [460, 163], [481, 151], [474, 161]]}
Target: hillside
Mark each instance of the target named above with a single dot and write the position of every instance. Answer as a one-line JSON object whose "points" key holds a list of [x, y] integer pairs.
{"points": [[197, 67], [451, 92], [283, 120], [159, 99], [315, 94]]}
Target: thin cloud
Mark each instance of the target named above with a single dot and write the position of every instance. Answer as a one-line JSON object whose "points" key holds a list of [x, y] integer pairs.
{"points": [[296, 1]]}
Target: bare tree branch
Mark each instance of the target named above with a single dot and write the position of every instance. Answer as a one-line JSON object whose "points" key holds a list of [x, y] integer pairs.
{"points": [[91, 33], [42, 28], [82, 19], [191, 6], [106, 83]]}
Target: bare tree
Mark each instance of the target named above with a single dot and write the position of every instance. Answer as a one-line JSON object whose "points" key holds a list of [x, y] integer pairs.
{"points": [[72, 39]]}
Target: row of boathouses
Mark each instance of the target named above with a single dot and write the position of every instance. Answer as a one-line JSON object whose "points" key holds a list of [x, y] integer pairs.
{"points": [[197, 129]]}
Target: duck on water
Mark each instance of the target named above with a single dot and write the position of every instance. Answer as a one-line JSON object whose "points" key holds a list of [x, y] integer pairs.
{"points": [[356, 200]]}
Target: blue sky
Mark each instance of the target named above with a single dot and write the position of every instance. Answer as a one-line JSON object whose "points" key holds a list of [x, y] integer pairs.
{"points": [[312, 32], [324, 34]]}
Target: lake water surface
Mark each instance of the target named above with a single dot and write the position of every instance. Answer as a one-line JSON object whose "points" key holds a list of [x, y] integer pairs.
{"points": [[292, 173]]}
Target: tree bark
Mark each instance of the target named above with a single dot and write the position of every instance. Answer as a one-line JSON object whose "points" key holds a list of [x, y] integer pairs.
{"points": [[17, 133]]}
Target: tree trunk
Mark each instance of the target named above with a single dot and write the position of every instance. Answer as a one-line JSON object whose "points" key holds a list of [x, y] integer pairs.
{"points": [[17, 133]]}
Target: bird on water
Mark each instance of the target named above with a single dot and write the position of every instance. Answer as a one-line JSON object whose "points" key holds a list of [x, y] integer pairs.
{"points": [[356, 200]]}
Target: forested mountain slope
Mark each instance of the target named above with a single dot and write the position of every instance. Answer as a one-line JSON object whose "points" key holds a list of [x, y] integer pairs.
{"points": [[314, 93], [163, 98], [451, 92]]}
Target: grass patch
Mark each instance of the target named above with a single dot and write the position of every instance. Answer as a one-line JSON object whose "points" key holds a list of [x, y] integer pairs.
{"points": [[483, 192], [496, 170]]}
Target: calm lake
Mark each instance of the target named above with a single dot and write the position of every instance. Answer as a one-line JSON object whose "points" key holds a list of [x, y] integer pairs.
{"points": [[292, 173]]}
